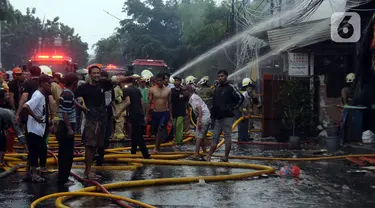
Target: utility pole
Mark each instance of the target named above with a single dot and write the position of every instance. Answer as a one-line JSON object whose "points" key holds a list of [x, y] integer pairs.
{"points": [[279, 8], [40, 45], [232, 19], [272, 7], [1, 63]]}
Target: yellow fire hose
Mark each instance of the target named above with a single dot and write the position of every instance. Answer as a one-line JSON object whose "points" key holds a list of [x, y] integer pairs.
{"points": [[119, 156], [152, 182], [102, 195], [246, 117]]}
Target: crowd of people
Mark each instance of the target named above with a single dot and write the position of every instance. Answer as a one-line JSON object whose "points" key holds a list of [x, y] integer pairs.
{"points": [[103, 107]]}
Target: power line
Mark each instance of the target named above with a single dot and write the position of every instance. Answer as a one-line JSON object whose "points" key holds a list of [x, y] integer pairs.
{"points": [[259, 5], [112, 15], [96, 35]]}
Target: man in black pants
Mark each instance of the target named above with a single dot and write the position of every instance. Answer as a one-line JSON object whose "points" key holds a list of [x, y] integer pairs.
{"points": [[106, 85], [37, 109], [65, 131], [134, 106], [94, 130]]}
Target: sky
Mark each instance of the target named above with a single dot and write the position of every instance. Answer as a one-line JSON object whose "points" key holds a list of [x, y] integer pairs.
{"points": [[85, 16]]}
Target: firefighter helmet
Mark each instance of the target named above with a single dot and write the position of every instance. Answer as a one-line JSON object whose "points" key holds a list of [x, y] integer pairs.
{"points": [[114, 79], [204, 80], [246, 82], [190, 80], [146, 75], [171, 80], [46, 70], [350, 78]]}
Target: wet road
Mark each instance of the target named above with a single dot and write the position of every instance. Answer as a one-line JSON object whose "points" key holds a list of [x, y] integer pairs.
{"points": [[322, 184]]}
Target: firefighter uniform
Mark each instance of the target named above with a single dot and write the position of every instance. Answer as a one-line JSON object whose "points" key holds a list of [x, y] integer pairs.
{"points": [[251, 99], [119, 103], [206, 93]]}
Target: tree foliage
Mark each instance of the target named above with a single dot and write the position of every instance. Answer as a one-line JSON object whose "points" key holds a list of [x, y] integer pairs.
{"points": [[21, 33], [174, 31]]}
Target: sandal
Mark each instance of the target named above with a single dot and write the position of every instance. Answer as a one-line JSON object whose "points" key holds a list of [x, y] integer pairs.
{"points": [[223, 160], [38, 179], [69, 183]]}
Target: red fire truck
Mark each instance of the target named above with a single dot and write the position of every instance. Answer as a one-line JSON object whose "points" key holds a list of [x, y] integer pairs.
{"points": [[58, 63], [155, 66], [114, 70]]}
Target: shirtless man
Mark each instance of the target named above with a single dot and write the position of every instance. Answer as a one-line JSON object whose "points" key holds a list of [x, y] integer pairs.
{"points": [[160, 97]]}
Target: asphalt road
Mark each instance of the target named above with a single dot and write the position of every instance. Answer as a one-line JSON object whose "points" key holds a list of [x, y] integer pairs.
{"points": [[321, 184]]}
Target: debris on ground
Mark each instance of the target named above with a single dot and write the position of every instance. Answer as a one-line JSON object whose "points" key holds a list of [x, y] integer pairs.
{"points": [[289, 171], [345, 188]]}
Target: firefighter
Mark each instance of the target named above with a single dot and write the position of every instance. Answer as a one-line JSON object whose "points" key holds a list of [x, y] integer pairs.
{"points": [[190, 80], [118, 104], [147, 76], [250, 100], [347, 91], [347, 96], [205, 91]]}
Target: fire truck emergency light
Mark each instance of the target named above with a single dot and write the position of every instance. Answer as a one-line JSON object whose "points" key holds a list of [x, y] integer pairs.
{"points": [[43, 57], [47, 57], [111, 66]]}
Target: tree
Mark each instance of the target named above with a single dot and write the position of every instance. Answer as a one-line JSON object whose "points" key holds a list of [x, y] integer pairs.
{"points": [[6, 10], [21, 36], [109, 50], [203, 24], [172, 31], [153, 31]]}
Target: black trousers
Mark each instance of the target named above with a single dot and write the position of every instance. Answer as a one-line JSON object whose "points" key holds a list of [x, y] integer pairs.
{"points": [[3, 141], [137, 140], [37, 150], [66, 151], [108, 132]]}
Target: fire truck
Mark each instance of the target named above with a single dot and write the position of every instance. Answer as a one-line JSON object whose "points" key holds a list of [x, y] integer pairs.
{"points": [[114, 70], [58, 63], [155, 66]]}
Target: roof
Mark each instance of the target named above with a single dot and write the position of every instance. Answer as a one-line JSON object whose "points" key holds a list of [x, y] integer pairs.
{"points": [[149, 62], [318, 25], [303, 34]]}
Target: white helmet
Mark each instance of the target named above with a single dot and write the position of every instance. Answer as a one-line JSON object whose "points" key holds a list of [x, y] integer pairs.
{"points": [[46, 70], [246, 82], [171, 80], [350, 78], [203, 80], [136, 75], [190, 80], [146, 75], [114, 79]]}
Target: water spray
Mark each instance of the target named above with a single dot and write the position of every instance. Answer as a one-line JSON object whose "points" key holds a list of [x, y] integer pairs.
{"points": [[266, 25], [314, 29]]}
